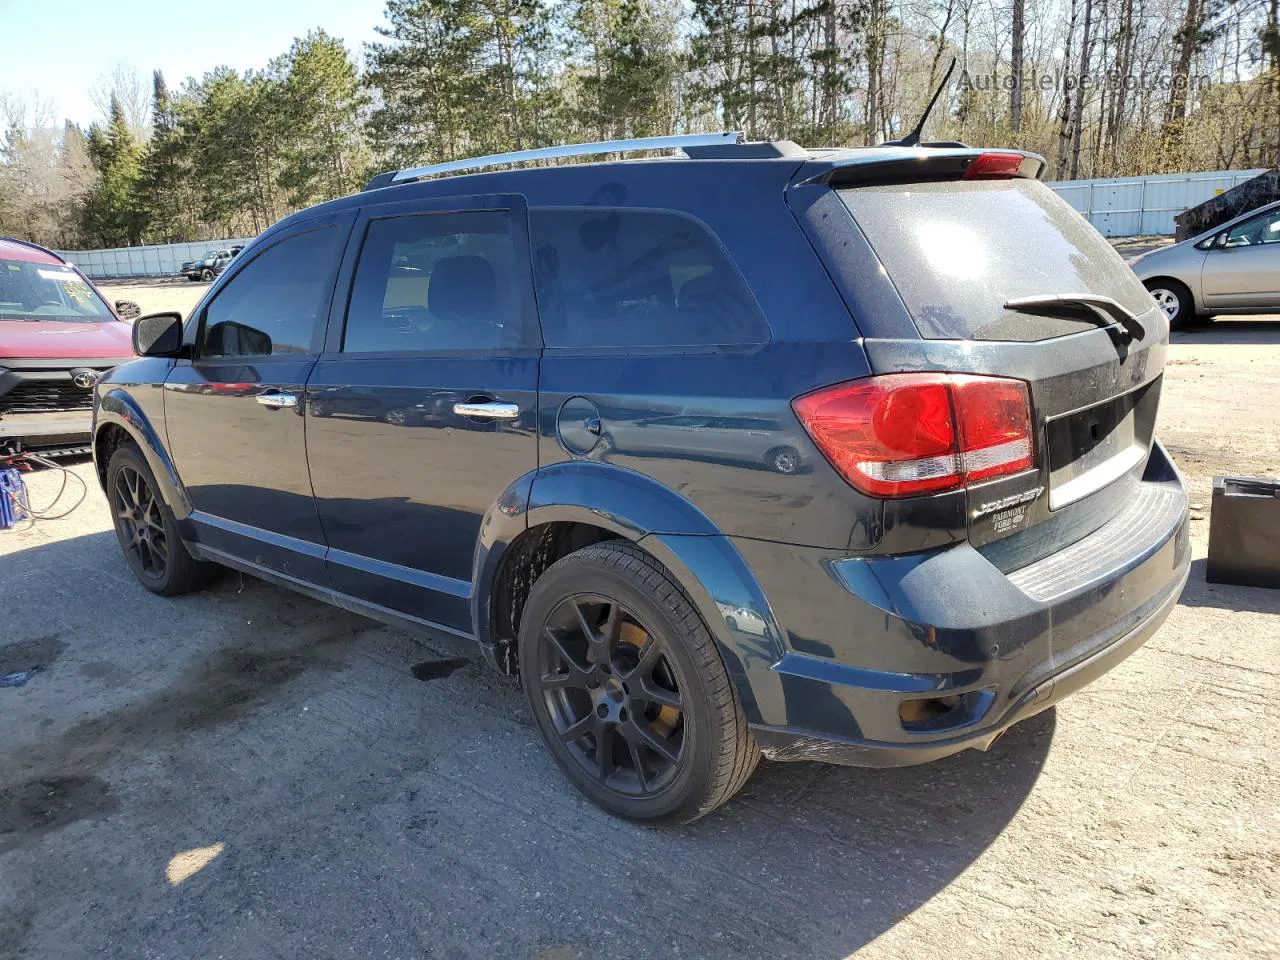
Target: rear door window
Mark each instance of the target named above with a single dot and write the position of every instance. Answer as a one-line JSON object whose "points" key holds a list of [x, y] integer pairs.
{"points": [[437, 282], [610, 278], [957, 251]]}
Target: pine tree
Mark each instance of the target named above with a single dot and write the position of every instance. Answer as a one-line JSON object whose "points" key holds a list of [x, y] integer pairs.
{"points": [[323, 108], [624, 79], [458, 77], [113, 213], [165, 190]]}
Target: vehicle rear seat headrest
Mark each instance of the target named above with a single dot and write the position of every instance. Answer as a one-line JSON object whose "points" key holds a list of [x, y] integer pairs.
{"points": [[464, 288]]}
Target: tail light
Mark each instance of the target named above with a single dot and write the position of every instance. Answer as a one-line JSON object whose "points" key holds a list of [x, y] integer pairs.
{"points": [[906, 434], [994, 166]]}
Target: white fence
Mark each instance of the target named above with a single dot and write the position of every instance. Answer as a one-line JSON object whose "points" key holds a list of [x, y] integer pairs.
{"points": [[1145, 206], [161, 260]]}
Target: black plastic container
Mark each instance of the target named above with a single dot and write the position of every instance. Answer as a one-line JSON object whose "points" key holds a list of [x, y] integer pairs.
{"points": [[1244, 532]]}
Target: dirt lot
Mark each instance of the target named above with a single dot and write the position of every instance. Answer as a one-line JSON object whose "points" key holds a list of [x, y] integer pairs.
{"points": [[247, 773]]}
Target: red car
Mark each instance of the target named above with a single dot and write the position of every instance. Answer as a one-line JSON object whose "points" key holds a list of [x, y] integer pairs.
{"points": [[58, 336]]}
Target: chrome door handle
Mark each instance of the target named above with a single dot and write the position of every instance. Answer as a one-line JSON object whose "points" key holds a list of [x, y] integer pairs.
{"points": [[489, 409], [277, 400]]}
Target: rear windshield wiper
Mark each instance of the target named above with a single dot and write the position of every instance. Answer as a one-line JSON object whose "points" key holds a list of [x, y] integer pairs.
{"points": [[1105, 309]]}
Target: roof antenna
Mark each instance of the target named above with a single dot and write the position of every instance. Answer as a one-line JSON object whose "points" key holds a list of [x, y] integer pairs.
{"points": [[913, 138]]}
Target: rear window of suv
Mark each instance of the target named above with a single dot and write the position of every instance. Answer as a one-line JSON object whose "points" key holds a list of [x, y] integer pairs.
{"points": [[613, 278], [958, 251]]}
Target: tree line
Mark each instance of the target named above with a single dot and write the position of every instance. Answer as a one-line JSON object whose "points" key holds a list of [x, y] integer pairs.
{"points": [[1099, 87]]}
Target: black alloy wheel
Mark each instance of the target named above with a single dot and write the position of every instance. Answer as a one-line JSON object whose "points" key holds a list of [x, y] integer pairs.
{"points": [[628, 689], [611, 694], [140, 524], [146, 529]]}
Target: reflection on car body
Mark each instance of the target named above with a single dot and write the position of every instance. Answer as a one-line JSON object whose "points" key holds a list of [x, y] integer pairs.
{"points": [[745, 439]]}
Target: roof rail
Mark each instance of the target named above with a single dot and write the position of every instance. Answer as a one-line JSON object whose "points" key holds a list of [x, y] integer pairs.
{"points": [[32, 243], [552, 153]]}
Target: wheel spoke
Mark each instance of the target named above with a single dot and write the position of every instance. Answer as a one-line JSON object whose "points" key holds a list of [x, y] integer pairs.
{"points": [[653, 741], [160, 550], [604, 750], [588, 630], [650, 657], [563, 651], [652, 692], [637, 760], [145, 555], [572, 679], [578, 730], [611, 630]]}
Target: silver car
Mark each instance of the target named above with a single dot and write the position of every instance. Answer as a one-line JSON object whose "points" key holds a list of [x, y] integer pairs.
{"points": [[1233, 268]]}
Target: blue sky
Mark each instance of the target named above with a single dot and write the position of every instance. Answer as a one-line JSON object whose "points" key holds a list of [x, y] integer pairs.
{"points": [[57, 50]]}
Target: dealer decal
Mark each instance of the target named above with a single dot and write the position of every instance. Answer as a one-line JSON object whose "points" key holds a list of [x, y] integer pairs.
{"points": [[1004, 503]]}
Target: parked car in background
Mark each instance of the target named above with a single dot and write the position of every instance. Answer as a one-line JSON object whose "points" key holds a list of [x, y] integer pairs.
{"points": [[210, 265], [1233, 268], [974, 518], [58, 336]]}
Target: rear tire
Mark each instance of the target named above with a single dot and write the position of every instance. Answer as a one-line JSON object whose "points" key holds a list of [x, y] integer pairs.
{"points": [[147, 531], [1175, 300], [613, 655]]}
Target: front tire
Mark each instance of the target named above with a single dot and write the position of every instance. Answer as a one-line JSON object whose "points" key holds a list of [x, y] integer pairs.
{"points": [[147, 531], [1175, 300], [206, 275], [628, 690]]}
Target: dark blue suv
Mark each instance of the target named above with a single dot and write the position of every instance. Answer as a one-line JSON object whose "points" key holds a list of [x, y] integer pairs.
{"points": [[838, 455]]}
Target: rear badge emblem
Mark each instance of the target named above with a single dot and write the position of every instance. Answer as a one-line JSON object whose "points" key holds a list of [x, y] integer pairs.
{"points": [[1005, 502]]}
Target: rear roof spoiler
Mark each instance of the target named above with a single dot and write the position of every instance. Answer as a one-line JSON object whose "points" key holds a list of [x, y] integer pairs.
{"points": [[897, 164]]}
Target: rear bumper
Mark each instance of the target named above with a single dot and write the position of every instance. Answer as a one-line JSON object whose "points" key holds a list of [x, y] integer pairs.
{"points": [[1000, 647]]}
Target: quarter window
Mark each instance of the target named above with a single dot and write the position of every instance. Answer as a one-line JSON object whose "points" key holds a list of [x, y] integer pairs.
{"points": [[637, 278], [273, 306], [434, 282]]}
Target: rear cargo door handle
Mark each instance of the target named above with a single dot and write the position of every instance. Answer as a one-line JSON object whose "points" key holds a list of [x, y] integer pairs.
{"points": [[276, 399], [488, 409]]}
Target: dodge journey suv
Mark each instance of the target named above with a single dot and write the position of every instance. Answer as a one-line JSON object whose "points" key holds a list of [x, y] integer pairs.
{"points": [[839, 455]]}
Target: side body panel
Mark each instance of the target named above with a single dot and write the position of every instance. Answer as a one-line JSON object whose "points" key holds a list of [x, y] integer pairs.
{"points": [[236, 432], [402, 481], [713, 422], [131, 396], [1242, 277]]}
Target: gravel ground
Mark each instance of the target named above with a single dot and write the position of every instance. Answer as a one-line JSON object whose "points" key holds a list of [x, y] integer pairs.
{"points": [[247, 773]]}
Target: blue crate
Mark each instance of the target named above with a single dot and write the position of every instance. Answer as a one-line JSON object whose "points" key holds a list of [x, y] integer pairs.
{"points": [[13, 498]]}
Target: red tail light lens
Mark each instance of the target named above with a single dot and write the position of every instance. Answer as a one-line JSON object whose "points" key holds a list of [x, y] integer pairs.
{"points": [[906, 434], [994, 166]]}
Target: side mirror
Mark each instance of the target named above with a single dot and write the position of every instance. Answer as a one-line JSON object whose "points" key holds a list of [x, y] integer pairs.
{"points": [[158, 335], [127, 309]]}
